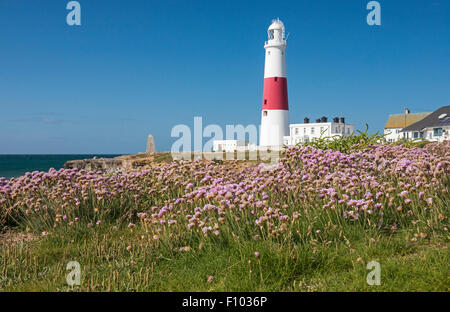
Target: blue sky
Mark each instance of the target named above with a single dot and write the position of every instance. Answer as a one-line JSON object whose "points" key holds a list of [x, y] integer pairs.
{"points": [[139, 67]]}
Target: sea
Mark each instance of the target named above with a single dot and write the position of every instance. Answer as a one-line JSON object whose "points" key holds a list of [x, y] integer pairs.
{"points": [[13, 166]]}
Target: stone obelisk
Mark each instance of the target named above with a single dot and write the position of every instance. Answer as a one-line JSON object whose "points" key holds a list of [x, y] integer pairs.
{"points": [[150, 145]]}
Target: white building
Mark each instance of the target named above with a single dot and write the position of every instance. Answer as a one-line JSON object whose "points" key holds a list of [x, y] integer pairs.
{"points": [[435, 127], [396, 122], [230, 145], [306, 132]]}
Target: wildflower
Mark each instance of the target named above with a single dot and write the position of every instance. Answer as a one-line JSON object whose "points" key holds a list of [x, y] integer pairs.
{"points": [[430, 201], [128, 248], [98, 222], [256, 254], [210, 279], [45, 233], [131, 225], [185, 248], [141, 215]]}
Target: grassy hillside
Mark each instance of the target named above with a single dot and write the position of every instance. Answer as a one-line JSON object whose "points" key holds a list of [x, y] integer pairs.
{"points": [[311, 224]]}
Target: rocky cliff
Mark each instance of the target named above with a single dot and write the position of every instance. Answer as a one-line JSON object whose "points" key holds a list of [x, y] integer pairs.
{"points": [[111, 165]]}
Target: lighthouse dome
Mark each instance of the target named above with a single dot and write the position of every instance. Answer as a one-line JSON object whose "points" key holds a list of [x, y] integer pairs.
{"points": [[276, 32], [277, 24]]}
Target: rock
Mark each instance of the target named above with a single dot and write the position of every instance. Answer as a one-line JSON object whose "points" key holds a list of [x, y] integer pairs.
{"points": [[151, 148], [106, 165], [120, 164]]}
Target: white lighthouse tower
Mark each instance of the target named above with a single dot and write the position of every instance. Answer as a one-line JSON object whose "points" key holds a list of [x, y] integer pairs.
{"points": [[275, 110]]}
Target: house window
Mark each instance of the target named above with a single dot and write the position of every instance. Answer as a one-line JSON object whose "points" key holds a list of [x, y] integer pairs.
{"points": [[416, 135], [348, 130], [312, 130], [304, 130], [437, 132], [296, 130]]}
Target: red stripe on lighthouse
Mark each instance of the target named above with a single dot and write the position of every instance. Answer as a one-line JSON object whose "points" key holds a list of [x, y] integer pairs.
{"points": [[275, 93]]}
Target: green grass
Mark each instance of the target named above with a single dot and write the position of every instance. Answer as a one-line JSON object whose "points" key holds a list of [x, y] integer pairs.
{"points": [[107, 265]]}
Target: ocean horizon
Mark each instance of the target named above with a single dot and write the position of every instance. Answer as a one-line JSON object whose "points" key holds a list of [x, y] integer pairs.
{"points": [[16, 165]]}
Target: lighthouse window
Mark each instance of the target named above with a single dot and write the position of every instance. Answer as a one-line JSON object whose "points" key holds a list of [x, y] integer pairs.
{"points": [[265, 102], [265, 113], [276, 78], [270, 34]]}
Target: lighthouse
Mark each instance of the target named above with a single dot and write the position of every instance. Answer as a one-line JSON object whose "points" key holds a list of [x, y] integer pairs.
{"points": [[275, 111]]}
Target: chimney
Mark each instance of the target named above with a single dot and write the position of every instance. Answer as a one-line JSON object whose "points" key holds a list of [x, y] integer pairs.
{"points": [[336, 119], [318, 120], [306, 120], [342, 120], [324, 119]]}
